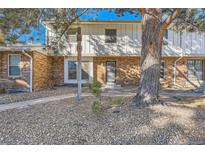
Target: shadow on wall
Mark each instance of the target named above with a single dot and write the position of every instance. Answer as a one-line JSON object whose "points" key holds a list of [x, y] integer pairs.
{"points": [[121, 47], [18, 84], [128, 74]]}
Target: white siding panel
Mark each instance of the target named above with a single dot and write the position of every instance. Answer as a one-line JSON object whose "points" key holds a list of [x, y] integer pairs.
{"points": [[129, 41]]}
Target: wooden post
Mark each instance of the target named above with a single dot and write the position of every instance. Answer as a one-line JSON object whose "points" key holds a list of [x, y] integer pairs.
{"points": [[79, 60]]}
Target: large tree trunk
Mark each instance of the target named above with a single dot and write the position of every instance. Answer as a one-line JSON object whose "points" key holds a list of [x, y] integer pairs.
{"points": [[150, 58]]}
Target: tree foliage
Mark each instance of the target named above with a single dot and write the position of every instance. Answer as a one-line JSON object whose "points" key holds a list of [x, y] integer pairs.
{"points": [[16, 22]]}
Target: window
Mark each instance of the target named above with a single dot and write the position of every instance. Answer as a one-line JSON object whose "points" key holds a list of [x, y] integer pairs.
{"points": [[14, 65], [85, 70], [72, 35], [195, 68], [110, 36], [72, 70], [72, 67], [162, 70]]}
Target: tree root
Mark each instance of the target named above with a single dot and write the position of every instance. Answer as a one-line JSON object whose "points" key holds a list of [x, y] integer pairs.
{"points": [[139, 101]]}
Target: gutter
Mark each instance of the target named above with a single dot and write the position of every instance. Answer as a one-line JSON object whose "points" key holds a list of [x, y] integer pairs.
{"points": [[31, 70]]}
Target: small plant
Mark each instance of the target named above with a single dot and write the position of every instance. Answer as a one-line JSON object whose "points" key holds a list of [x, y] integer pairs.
{"points": [[95, 88], [115, 100], [97, 107]]}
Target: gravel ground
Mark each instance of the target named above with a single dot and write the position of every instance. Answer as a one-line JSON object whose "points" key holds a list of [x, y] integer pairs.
{"points": [[69, 122], [17, 97]]}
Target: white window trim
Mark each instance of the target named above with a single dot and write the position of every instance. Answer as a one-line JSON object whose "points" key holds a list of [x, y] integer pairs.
{"points": [[14, 76], [73, 43], [67, 81], [164, 70]]}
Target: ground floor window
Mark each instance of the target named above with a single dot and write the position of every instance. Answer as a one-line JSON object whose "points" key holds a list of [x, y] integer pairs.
{"points": [[71, 71], [14, 65], [162, 70], [195, 69], [85, 70]]}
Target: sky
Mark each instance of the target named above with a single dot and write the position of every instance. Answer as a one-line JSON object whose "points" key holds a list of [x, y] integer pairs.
{"points": [[39, 34]]}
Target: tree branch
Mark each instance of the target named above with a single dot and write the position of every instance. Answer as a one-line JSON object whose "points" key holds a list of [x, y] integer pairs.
{"points": [[72, 21], [170, 18]]}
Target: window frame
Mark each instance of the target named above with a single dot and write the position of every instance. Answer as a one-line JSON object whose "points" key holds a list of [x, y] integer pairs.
{"points": [[14, 76], [194, 62], [74, 81], [106, 40], [73, 35], [164, 70], [75, 70]]}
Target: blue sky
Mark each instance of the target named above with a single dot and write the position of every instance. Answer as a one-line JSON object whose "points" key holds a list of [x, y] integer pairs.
{"points": [[39, 35]]}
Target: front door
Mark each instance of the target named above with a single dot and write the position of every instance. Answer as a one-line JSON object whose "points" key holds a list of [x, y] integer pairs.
{"points": [[110, 71]]}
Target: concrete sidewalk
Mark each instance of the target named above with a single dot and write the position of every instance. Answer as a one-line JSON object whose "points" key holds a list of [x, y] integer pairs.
{"points": [[28, 103], [24, 104]]}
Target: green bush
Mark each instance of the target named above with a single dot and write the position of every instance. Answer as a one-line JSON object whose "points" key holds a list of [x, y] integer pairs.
{"points": [[97, 107], [95, 88]]}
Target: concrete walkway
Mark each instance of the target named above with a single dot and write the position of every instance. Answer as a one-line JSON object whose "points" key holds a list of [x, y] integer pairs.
{"points": [[25, 104]]}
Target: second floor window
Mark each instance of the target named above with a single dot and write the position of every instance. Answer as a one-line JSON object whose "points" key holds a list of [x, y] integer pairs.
{"points": [[72, 33], [110, 35]]}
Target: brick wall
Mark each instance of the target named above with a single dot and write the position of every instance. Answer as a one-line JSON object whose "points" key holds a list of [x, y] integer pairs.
{"points": [[49, 70], [23, 80], [127, 69], [41, 71], [181, 72], [57, 70]]}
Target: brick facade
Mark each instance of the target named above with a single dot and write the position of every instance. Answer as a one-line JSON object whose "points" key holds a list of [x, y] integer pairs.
{"points": [[57, 70], [41, 71], [23, 80], [127, 69], [49, 70]]}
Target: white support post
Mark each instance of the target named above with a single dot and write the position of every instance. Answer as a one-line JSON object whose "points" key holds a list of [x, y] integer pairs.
{"points": [[79, 61]]}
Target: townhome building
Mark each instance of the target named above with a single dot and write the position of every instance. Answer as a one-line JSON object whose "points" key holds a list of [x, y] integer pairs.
{"points": [[110, 54]]}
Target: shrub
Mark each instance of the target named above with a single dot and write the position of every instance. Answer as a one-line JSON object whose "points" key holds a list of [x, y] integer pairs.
{"points": [[95, 88], [97, 107]]}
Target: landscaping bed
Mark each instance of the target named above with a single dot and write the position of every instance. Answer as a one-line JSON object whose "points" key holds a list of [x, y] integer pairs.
{"points": [[71, 122]]}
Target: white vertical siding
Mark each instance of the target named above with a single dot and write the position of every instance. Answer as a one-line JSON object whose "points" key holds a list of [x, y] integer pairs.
{"points": [[129, 40], [93, 39], [192, 43]]}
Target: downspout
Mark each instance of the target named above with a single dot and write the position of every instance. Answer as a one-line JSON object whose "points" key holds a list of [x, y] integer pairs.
{"points": [[175, 66], [31, 70]]}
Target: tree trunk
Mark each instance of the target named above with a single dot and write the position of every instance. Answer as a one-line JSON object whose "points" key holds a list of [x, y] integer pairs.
{"points": [[150, 59]]}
